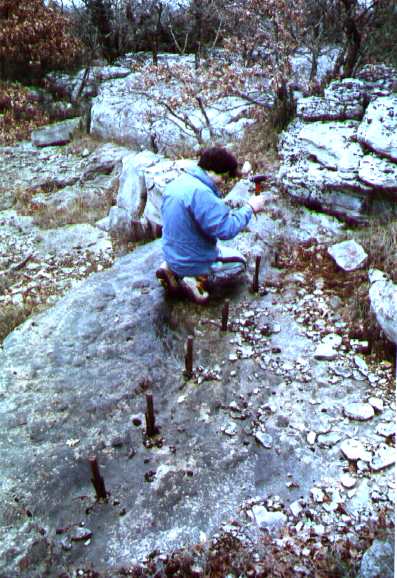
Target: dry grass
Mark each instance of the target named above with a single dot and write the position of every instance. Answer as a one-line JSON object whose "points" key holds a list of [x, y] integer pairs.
{"points": [[80, 210], [13, 315], [352, 288], [259, 146], [380, 242]]}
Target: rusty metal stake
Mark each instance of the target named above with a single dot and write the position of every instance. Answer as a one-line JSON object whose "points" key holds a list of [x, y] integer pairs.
{"points": [[225, 315], [151, 429], [189, 357], [97, 480], [255, 282]]}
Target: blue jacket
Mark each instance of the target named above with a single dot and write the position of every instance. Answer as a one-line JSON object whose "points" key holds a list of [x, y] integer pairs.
{"points": [[194, 217]]}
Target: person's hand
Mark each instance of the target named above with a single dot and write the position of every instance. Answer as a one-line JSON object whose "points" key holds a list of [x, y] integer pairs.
{"points": [[257, 203]]}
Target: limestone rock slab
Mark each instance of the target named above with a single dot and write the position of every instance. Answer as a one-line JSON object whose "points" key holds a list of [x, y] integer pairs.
{"points": [[378, 560], [378, 172], [313, 108], [331, 145], [55, 134], [378, 128]]}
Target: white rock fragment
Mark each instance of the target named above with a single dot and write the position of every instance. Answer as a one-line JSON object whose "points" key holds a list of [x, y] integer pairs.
{"points": [[348, 255], [311, 437], [319, 529], [361, 364], [333, 340], [246, 351], [268, 520], [296, 508], [325, 352], [318, 495], [386, 429], [384, 457], [78, 534], [376, 403], [264, 439], [230, 429], [354, 450], [246, 168], [348, 481], [329, 439]]}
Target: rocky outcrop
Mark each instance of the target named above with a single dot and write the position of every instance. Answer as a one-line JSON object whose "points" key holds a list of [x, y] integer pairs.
{"points": [[84, 84], [383, 297], [58, 133], [378, 560], [143, 178], [339, 155], [378, 128], [151, 117], [261, 416]]}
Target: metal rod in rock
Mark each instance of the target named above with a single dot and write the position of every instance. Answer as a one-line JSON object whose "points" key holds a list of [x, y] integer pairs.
{"points": [[189, 357], [97, 480], [225, 315], [151, 429], [255, 282]]}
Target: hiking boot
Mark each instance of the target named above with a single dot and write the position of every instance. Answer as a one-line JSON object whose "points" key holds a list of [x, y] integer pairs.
{"points": [[193, 288], [167, 279]]}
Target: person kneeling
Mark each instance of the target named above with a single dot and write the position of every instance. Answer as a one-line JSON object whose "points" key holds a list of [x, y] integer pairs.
{"points": [[195, 218]]}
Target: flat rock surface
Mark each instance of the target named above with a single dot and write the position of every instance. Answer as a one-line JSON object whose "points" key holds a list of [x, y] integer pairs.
{"points": [[260, 423]]}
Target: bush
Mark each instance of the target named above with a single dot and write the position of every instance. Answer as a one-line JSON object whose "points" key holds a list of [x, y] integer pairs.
{"points": [[33, 39], [19, 115]]}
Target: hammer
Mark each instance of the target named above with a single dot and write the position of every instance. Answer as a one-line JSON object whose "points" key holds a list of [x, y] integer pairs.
{"points": [[258, 179]]}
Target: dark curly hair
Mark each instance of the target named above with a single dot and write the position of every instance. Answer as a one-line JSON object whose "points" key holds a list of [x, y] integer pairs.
{"points": [[218, 160]]}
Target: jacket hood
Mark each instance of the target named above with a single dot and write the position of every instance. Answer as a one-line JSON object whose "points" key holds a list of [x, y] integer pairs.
{"points": [[204, 177]]}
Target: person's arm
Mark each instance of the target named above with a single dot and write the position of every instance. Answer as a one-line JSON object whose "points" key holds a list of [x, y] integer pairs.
{"points": [[257, 203], [215, 218]]}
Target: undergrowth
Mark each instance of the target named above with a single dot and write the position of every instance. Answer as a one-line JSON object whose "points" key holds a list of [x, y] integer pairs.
{"points": [[259, 145], [380, 242], [351, 287], [292, 557], [19, 113], [12, 315]]}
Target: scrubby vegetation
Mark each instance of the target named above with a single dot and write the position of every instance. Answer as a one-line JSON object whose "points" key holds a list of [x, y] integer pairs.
{"points": [[19, 113]]}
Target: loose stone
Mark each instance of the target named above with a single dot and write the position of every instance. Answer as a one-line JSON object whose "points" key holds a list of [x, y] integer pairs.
{"points": [[268, 520], [349, 255], [329, 439], [348, 481], [79, 534], [354, 450], [384, 457], [386, 429], [230, 430], [311, 437], [376, 403], [361, 364], [359, 411], [325, 352], [296, 508], [317, 495], [264, 439]]}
